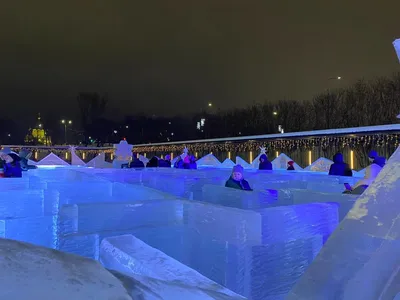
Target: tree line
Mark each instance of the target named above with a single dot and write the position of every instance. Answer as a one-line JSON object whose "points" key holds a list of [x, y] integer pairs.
{"points": [[364, 103]]}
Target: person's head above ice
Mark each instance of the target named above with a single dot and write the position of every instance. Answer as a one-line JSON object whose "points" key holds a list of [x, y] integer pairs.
{"points": [[372, 155], [263, 157], [338, 158], [237, 173]]}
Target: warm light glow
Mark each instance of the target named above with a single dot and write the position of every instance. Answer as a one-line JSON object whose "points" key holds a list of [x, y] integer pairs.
{"points": [[172, 156], [277, 153], [352, 159], [229, 154], [83, 155], [36, 155], [210, 104], [66, 155], [137, 155], [309, 158], [162, 156], [339, 78], [145, 155], [112, 155], [211, 152], [275, 113], [251, 156], [63, 121], [196, 154], [69, 122]]}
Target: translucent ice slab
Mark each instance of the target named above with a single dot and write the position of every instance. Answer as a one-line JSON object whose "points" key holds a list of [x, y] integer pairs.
{"points": [[344, 201], [41, 231], [361, 259], [236, 198], [224, 244], [131, 256], [141, 287], [185, 187], [21, 203]]}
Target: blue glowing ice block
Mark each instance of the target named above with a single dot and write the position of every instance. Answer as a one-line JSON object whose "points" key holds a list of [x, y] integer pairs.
{"points": [[21, 203], [396, 45], [236, 198], [40, 231], [83, 245], [131, 256], [360, 260], [133, 192], [97, 217], [344, 201]]}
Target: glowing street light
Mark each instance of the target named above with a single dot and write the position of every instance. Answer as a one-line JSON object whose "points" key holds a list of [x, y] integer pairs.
{"points": [[275, 113], [65, 123], [335, 78], [209, 104]]}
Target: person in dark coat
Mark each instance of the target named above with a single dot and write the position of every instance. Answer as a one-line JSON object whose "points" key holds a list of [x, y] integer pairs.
{"points": [[153, 163], [290, 165], [339, 167], [178, 163], [136, 164], [11, 164], [165, 163], [236, 181], [265, 164], [192, 164]]}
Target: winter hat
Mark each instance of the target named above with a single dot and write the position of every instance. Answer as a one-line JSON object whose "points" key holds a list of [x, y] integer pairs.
{"points": [[237, 169], [372, 154], [290, 163]]}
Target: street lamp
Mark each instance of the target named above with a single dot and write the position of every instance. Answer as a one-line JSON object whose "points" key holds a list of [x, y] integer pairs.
{"points": [[65, 123], [209, 104], [275, 113], [335, 78]]}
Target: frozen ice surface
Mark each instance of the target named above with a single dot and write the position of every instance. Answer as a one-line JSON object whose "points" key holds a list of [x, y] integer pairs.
{"points": [[360, 260], [131, 256]]}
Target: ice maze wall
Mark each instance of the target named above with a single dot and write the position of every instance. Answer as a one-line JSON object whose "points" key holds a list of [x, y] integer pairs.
{"points": [[361, 258], [256, 244]]}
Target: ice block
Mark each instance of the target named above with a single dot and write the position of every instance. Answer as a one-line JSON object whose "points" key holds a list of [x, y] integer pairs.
{"points": [[131, 256], [236, 198], [21, 203], [360, 260]]}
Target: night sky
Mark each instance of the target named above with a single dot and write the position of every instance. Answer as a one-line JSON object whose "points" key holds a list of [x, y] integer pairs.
{"points": [[173, 57]]}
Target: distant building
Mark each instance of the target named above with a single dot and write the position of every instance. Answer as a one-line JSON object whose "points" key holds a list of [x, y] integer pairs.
{"points": [[38, 135]]}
